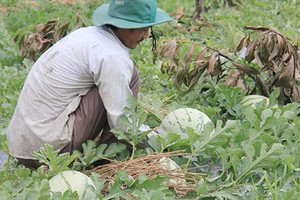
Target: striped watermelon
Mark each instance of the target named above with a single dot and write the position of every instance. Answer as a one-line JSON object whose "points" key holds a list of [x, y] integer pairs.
{"points": [[75, 181], [169, 164], [251, 100], [182, 118]]}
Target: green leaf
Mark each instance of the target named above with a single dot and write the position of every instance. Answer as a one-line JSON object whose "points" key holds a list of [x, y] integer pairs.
{"points": [[99, 183], [155, 142], [250, 164], [132, 119], [92, 153], [118, 190], [201, 188], [209, 135], [223, 194], [112, 150], [55, 161]]}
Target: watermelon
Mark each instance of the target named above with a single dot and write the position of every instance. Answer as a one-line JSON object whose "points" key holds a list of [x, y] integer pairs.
{"points": [[180, 119], [75, 181], [251, 100], [169, 164]]}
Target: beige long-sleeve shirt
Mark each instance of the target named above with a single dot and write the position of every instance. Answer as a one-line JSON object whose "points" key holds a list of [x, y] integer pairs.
{"points": [[58, 80]]}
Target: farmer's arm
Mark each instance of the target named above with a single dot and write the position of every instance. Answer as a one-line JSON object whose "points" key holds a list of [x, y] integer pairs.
{"points": [[113, 81]]}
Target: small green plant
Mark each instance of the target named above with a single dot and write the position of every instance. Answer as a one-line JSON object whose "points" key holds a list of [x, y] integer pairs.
{"points": [[55, 161], [93, 152], [133, 118]]}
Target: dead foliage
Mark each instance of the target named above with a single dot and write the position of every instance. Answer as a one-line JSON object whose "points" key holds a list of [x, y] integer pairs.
{"points": [[276, 58], [200, 6], [187, 22], [150, 165], [31, 45], [187, 70]]}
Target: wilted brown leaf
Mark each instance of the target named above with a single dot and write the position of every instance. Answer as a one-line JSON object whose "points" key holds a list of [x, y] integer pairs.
{"points": [[218, 68], [201, 64], [293, 50], [211, 64], [214, 65], [80, 22], [232, 78], [201, 55], [44, 37], [31, 45], [168, 67], [270, 41], [60, 32], [262, 50], [295, 94], [250, 51], [297, 74], [179, 78], [34, 41], [273, 54], [286, 57], [39, 28], [189, 54], [50, 26], [247, 70], [262, 86], [297, 71], [281, 43], [277, 58], [298, 59], [242, 84], [22, 48], [257, 28], [179, 13], [258, 60], [287, 75], [194, 76], [243, 42], [169, 49]]}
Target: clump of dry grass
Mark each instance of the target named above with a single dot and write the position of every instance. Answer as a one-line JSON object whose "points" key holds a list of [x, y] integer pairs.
{"points": [[151, 165]]}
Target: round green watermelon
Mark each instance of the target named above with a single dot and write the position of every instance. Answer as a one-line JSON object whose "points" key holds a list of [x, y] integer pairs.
{"points": [[75, 181], [180, 119], [251, 100]]}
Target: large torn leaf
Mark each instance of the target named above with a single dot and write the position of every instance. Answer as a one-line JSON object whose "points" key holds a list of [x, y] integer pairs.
{"points": [[31, 45], [249, 163]]}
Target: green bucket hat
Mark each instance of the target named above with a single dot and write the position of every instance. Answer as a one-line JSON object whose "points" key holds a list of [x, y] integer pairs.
{"points": [[130, 14]]}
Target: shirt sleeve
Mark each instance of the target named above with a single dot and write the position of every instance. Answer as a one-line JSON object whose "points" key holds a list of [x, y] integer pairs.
{"points": [[113, 76]]}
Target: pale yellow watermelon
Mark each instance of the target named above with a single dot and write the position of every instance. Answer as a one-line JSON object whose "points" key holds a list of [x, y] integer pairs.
{"points": [[251, 100], [180, 119], [75, 181], [169, 164]]}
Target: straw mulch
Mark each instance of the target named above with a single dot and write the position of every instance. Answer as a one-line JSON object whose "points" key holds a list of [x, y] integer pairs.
{"points": [[152, 165]]}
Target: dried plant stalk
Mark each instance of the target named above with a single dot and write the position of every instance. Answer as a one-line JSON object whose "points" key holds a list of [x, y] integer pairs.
{"points": [[151, 166]]}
